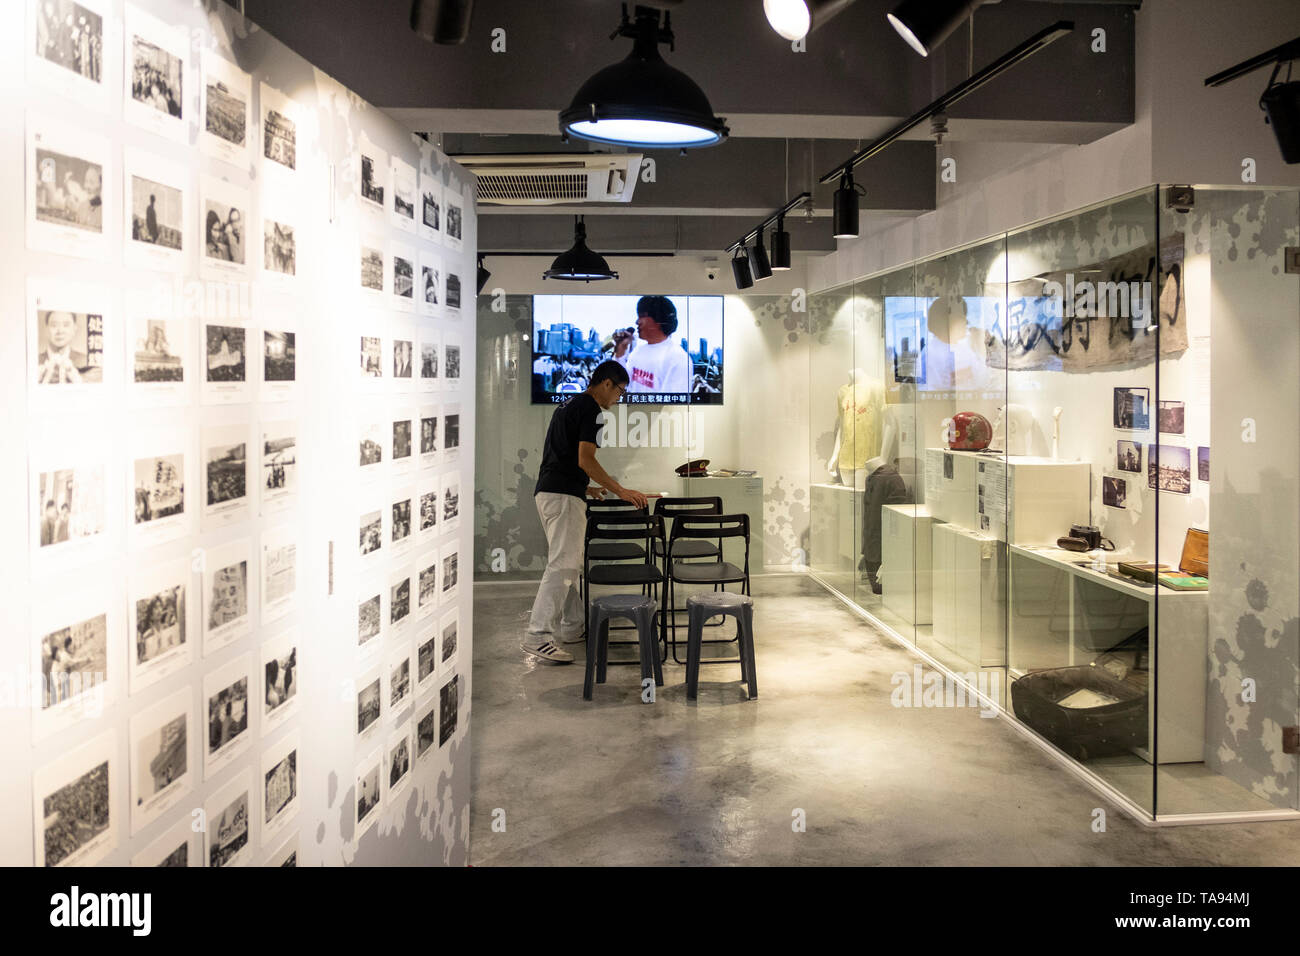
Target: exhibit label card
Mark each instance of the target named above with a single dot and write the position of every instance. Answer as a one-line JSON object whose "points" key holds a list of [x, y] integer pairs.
{"points": [[74, 812], [159, 609], [225, 475], [229, 819], [225, 695], [279, 466], [70, 489], [279, 680], [66, 43], [158, 94], [162, 765], [76, 648], [70, 190], [163, 501], [280, 768], [228, 572], [279, 573], [156, 212], [225, 345], [226, 111]]}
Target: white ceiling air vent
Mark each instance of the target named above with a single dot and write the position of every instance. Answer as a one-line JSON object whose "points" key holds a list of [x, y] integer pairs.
{"points": [[544, 180]]}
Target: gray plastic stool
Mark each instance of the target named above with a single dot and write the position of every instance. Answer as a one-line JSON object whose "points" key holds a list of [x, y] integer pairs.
{"points": [[638, 608], [701, 607]]}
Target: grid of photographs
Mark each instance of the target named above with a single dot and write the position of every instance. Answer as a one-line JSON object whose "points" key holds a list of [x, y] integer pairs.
{"points": [[199, 507]]}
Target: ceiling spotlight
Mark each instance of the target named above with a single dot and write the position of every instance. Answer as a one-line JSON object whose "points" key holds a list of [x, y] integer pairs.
{"points": [[642, 101], [924, 24], [442, 21], [759, 266], [844, 212], [483, 275], [579, 264], [795, 19], [780, 246], [1281, 103], [740, 269]]}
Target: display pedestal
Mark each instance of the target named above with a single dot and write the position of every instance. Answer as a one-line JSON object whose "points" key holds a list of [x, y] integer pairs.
{"points": [[905, 544], [1087, 612], [968, 601], [834, 544], [739, 496]]}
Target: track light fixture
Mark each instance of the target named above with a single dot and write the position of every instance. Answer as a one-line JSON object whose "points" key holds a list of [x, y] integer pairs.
{"points": [[442, 21], [844, 211], [780, 257], [642, 101], [579, 264], [740, 269], [1280, 101], [759, 265], [924, 24], [795, 19], [483, 275]]}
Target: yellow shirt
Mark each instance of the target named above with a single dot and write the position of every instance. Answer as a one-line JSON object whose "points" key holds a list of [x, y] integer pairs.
{"points": [[860, 408]]}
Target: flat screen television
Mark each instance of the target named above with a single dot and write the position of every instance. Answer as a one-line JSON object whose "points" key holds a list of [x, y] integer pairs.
{"points": [[572, 334]]}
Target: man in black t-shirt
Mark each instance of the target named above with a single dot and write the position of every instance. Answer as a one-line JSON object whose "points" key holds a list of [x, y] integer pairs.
{"points": [[565, 479]]}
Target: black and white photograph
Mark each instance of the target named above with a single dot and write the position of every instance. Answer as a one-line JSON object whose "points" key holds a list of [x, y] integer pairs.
{"points": [[225, 363], [372, 446], [404, 278], [451, 431], [226, 606], [426, 658], [453, 293], [1202, 462], [156, 88], [279, 356], [1169, 468], [74, 660], [225, 474], [1172, 417], [178, 846], [70, 505], [401, 526], [158, 357], [286, 855], [402, 358], [1114, 491], [449, 575], [279, 248], [279, 784], [428, 436], [399, 760], [430, 283], [279, 572], [158, 624], [225, 709], [367, 793], [160, 757], [450, 500], [372, 357], [155, 207], [430, 207], [428, 510], [229, 815], [69, 348], [1128, 456], [372, 532], [399, 604], [279, 465], [159, 493], [451, 366], [450, 638], [426, 729], [374, 175], [372, 269], [427, 582], [279, 679], [1133, 409], [399, 680], [429, 359], [279, 128], [402, 440], [369, 619], [404, 188], [227, 98], [73, 799], [224, 212], [447, 708], [69, 189], [453, 221], [69, 45], [368, 704]]}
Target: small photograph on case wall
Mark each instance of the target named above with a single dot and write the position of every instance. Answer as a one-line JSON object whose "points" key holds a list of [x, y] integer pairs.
{"points": [[1172, 416], [1114, 491], [1169, 468], [1133, 408], [1203, 462], [1128, 456], [447, 704]]}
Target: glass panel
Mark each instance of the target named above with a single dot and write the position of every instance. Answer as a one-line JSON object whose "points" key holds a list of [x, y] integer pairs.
{"points": [[1226, 658], [834, 555], [1079, 358]]}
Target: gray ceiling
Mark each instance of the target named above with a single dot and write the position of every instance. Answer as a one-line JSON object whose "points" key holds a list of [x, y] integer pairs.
{"points": [[793, 116]]}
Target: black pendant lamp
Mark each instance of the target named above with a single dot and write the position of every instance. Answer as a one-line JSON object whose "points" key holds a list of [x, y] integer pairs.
{"points": [[740, 269], [924, 24], [844, 211], [759, 265], [642, 101], [579, 264], [780, 256]]}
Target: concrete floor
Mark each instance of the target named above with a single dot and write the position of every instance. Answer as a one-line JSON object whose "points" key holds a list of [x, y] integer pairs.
{"points": [[614, 781]]}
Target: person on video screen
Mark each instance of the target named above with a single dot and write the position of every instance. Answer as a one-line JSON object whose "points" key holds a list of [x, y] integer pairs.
{"points": [[656, 363]]}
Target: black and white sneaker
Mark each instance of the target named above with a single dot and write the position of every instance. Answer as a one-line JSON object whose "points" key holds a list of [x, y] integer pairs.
{"points": [[547, 652]]}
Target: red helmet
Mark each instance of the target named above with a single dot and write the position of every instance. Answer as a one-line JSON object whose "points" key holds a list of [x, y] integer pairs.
{"points": [[969, 431]]}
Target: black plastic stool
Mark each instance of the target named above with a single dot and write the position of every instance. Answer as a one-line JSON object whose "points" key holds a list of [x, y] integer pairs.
{"points": [[701, 607], [638, 608]]}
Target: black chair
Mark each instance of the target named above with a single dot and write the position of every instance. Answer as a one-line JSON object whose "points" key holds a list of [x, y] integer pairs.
{"points": [[623, 527], [691, 548], [717, 573], [614, 550]]}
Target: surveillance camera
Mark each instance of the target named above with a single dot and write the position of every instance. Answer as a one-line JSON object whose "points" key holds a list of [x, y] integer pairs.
{"points": [[712, 275], [711, 269]]}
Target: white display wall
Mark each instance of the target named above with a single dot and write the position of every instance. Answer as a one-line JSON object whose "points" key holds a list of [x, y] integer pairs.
{"points": [[239, 302]]}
